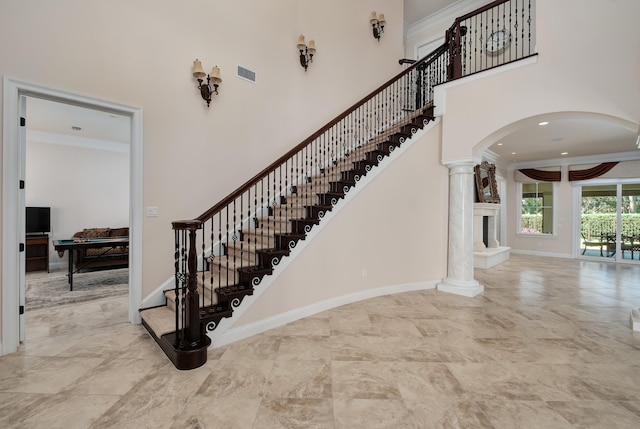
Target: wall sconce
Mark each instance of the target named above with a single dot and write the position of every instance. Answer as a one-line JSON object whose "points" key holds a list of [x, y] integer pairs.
{"points": [[377, 22], [213, 80], [306, 52]]}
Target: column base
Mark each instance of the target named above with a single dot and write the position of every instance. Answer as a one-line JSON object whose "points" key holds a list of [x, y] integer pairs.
{"points": [[457, 287]]}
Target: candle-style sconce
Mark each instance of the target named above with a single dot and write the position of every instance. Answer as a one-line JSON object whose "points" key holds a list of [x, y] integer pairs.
{"points": [[213, 81], [377, 23], [306, 52]]}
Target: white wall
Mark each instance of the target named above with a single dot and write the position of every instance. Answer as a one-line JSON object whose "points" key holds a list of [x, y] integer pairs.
{"points": [[85, 188], [591, 67], [395, 229], [596, 72], [141, 54]]}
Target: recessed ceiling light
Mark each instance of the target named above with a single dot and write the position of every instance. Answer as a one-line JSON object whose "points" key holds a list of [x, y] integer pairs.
{"points": [[513, 153], [564, 153], [500, 144], [543, 123]]}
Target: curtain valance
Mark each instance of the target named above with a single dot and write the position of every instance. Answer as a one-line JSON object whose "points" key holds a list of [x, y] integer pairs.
{"points": [[548, 174], [591, 173]]}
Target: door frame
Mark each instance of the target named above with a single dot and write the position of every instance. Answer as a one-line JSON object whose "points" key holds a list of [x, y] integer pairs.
{"points": [[12, 213], [618, 183]]}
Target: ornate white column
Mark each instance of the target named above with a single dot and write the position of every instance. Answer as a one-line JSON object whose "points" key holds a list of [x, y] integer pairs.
{"points": [[459, 278]]}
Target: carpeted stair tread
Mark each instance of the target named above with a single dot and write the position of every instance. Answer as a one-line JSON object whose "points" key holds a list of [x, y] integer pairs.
{"points": [[160, 319]]}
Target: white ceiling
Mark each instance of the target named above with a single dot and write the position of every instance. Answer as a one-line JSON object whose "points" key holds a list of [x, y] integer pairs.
{"points": [[415, 10], [577, 135], [46, 116], [567, 135]]}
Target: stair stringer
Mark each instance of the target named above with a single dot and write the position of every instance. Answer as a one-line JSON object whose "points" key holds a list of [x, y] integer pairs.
{"points": [[218, 337]]}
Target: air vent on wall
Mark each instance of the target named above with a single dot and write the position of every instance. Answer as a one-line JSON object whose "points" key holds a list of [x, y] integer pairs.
{"points": [[246, 74]]}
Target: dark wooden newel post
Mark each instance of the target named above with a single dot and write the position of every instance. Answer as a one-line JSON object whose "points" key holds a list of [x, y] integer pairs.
{"points": [[191, 327]]}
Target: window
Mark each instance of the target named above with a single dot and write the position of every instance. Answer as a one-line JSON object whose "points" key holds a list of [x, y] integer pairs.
{"points": [[536, 215], [610, 221]]}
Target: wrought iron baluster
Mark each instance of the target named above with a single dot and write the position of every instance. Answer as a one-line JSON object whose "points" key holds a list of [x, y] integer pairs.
{"points": [[529, 26], [219, 270], [178, 282], [203, 252]]}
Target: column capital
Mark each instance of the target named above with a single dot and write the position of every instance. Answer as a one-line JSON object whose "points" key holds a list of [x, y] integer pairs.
{"points": [[458, 161], [460, 166]]}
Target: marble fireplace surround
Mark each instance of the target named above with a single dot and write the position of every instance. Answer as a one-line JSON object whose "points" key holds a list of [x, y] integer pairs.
{"points": [[492, 254]]}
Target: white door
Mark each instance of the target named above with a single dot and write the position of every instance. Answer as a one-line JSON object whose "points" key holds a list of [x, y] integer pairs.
{"points": [[610, 221]]}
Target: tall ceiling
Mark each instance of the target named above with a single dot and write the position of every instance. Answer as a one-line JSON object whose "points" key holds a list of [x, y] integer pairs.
{"points": [[564, 135], [415, 10], [570, 136]]}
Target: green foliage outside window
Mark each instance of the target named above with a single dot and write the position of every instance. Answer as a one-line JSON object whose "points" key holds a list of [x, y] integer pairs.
{"points": [[593, 225], [537, 208]]}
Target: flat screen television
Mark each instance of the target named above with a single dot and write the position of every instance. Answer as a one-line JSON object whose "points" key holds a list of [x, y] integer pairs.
{"points": [[38, 220]]}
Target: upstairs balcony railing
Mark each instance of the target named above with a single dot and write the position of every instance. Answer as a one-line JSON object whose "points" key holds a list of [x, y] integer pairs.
{"points": [[494, 35], [225, 252]]}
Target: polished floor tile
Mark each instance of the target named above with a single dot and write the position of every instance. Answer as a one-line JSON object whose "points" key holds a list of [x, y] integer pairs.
{"points": [[547, 345]]}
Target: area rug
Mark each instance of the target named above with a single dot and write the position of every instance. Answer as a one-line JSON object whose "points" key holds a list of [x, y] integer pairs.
{"points": [[44, 292]]}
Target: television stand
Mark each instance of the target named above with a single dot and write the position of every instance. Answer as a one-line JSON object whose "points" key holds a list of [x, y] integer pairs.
{"points": [[37, 253]]}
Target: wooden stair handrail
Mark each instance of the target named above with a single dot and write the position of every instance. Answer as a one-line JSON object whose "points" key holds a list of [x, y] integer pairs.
{"points": [[255, 179], [480, 10]]}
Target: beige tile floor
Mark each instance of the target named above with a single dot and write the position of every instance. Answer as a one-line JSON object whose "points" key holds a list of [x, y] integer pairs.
{"points": [[548, 345]]}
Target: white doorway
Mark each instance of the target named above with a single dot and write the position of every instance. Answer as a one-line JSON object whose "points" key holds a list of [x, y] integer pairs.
{"points": [[14, 145], [609, 220]]}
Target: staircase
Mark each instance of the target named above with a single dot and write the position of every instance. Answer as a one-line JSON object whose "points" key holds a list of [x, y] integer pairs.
{"points": [[270, 236], [224, 254]]}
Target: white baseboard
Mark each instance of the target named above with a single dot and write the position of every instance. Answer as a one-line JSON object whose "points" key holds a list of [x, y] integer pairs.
{"points": [[242, 332], [546, 254], [157, 298]]}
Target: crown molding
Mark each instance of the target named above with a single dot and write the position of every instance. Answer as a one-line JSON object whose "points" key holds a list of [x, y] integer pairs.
{"points": [[493, 158], [577, 160], [444, 17]]}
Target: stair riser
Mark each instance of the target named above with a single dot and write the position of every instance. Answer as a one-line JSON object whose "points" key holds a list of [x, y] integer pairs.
{"points": [[272, 258], [254, 239], [296, 212], [352, 176], [272, 219], [231, 298], [303, 226], [318, 212], [253, 278], [171, 304], [288, 242], [271, 225], [341, 187], [306, 199], [330, 199]]}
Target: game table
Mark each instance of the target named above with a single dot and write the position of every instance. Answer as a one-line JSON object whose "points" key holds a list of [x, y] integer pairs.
{"points": [[86, 243]]}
